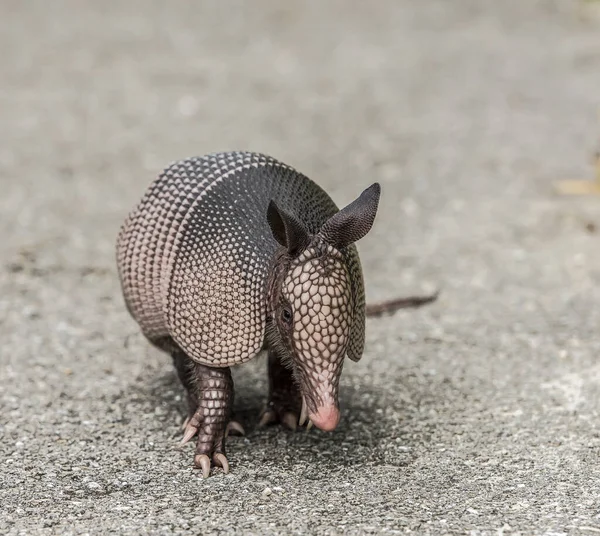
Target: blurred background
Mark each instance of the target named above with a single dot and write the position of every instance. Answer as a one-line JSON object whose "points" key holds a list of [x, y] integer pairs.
{"points": [[467, 113]]}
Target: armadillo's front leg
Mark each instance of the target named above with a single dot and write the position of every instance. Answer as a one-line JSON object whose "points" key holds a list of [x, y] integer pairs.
{"points": [[285, 402], [214, 395], [185, 372]]}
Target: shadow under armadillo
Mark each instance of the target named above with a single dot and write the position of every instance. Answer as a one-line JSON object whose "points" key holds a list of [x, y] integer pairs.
{"points": [[377, 428]]}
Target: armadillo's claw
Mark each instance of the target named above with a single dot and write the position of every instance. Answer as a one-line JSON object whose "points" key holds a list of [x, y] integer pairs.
{"points": [[185, 423], [309, 425], [220, 460], [268, 416], [202, 461], [189, 433], [290, 420], [303, 413], [271, 416], [235, 428]]}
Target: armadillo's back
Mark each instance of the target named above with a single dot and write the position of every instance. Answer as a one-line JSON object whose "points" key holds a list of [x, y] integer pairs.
{"points": [[194, 256]]}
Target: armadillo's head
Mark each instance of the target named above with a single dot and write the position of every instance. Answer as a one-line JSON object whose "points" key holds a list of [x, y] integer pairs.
{"points": [[311, 303]]}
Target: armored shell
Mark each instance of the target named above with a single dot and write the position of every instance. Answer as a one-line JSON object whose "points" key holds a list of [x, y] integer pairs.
{"points": [[194, 257]]}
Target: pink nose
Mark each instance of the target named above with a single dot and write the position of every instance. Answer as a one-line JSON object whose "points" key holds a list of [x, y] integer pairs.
{"points": [[326, 418]]}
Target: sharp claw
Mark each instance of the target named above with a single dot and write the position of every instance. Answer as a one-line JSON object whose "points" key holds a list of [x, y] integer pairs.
{"points": [[189, 433], [303, 413], [267, 418], [185, 423], [201, 461], [220, 460], [235, 426], [309, 425], [289, 420]]}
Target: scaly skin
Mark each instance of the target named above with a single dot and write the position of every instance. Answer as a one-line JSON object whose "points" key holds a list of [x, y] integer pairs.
{"points": [[184, 372], [210, 395], [194, 258], [284, 404]]}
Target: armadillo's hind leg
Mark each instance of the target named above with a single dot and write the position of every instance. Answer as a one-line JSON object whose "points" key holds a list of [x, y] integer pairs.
{"points": [[213, 389], [285, 402]]}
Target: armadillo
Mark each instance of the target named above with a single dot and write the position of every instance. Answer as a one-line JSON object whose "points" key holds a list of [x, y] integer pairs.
{"points": [[233, 253]]}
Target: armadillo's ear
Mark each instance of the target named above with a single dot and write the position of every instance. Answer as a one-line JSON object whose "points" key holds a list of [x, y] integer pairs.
{"points": [[354, 221], [287, 230]]}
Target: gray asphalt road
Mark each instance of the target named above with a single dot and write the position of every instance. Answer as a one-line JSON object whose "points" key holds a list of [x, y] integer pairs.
{"points": [[477, 415]]}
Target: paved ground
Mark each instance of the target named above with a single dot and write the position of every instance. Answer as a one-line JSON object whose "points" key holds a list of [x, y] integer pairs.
{"points": [[478, 415]]}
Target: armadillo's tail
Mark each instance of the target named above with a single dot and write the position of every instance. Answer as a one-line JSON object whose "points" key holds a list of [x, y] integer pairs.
{"points": [[391, 306]]}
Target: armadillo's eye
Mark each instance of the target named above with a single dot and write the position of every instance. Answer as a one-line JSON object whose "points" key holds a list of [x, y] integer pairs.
{"points": [[287, 315]]}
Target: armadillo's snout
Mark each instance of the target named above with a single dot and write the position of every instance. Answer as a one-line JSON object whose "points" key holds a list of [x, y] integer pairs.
{"points": [[326, 417]]}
